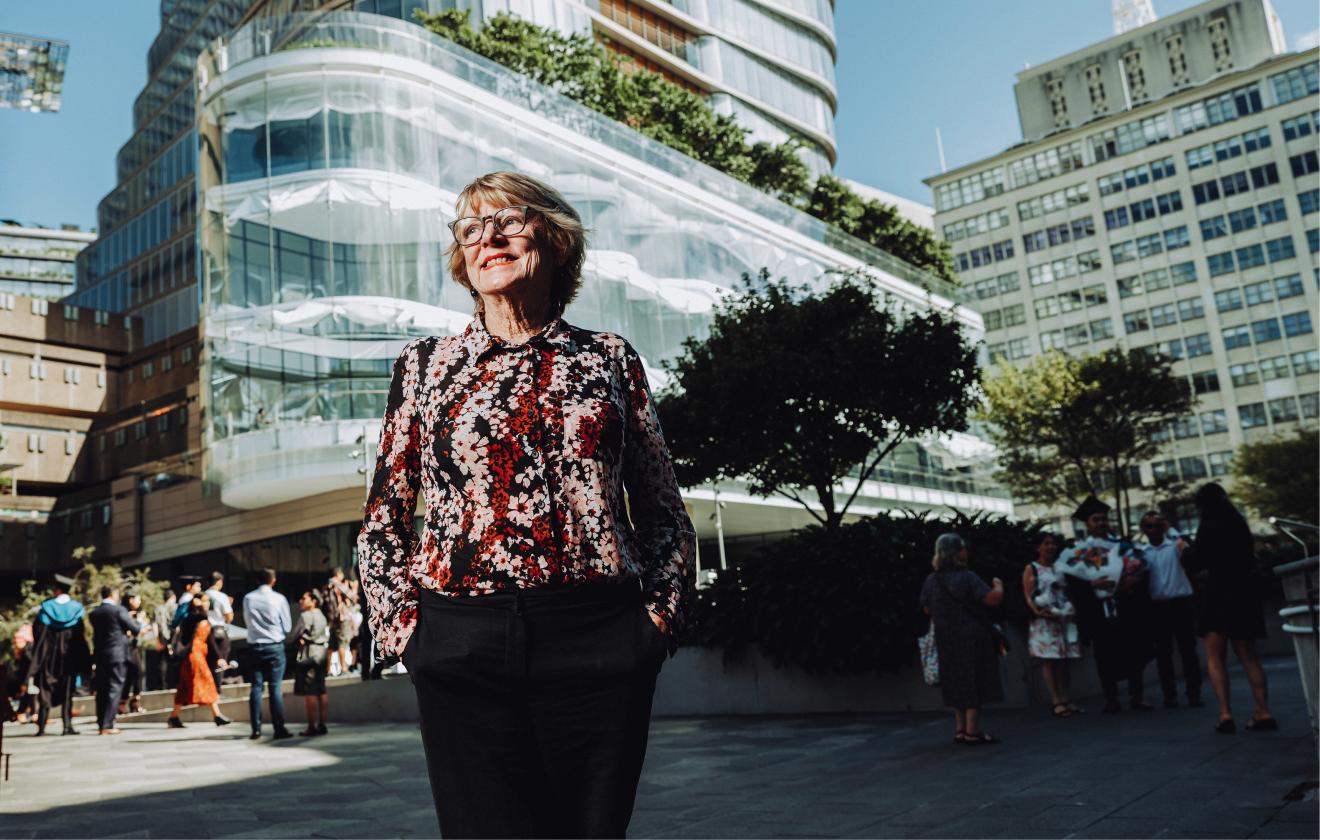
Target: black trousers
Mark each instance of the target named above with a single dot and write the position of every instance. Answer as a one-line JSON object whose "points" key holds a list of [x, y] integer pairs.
{"points": [[221, 637], [1116, 662], [1174, 623], [110, 677], [66, 708], [535, 708]]}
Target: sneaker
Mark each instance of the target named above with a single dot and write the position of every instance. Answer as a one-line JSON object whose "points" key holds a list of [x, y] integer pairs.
{"points": [[320, 729], [281, 734], [254, 736]]}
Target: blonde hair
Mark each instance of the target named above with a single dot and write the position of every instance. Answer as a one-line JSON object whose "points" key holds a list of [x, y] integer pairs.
{"points": [[947, 549], [556, 225]]}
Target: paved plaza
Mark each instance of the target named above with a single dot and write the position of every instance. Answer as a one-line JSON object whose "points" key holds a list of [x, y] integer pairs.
{"points": [[1145, 774]]}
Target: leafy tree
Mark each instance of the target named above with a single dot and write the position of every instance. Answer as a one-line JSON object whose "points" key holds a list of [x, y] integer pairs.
{"points": [[795, 389], [614, 85], [1280, 477], [1070, 427]]}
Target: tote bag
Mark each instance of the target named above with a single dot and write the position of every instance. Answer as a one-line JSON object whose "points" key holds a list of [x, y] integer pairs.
{"points": [[930, 657]]}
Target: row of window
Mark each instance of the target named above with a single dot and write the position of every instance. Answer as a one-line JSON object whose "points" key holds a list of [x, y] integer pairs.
{"points": [[1156, 279], [985, 255], [1150, 245], [1266, 330], [1228, 148], [1301, 365], [1250, 256], [1188, 309], [1282, 410], [1303, 126], [1071, 266], [1192, 467], [1238, 182], [1245, 219], [175, 418], [1140, 211], [1048, 307], [991, 286], [982, 223], [1214, 110], [1136, 176], [164, 363], [1252, 294], [1078, 334], [1188, 347], [1043, 205], [1058, 234], [1192, 426]]}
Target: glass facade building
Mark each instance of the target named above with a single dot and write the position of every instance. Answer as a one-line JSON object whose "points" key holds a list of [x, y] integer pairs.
{"points": [[31, 72], [332, 149]]}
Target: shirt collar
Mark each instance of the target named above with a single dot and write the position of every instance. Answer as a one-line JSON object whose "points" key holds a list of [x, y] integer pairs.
{"points": [[478, 342]]}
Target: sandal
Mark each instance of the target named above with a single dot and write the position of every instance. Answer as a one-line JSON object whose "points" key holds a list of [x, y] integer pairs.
{"points": [[1268, 724], [979, 738], [308, 732], [1061, 710], [1077, 710], [958, 736]]}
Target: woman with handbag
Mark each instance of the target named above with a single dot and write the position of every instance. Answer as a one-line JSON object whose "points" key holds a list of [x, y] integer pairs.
{"points": [[958, 603], [311, 660]]}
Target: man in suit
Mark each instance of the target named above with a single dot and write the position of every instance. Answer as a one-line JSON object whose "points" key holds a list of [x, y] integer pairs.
{"points": [[111, 627]]}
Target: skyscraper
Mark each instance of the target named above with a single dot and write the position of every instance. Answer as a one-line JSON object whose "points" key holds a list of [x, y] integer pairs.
{"points": [[31, 72], [1164, 197]]}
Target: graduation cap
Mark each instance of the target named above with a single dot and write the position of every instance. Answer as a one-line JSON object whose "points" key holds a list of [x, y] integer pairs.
{"points": [[1089, 508]]}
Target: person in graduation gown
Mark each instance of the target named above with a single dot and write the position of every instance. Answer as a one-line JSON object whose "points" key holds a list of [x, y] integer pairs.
{"points": [[59, 655], [1108, 582]]}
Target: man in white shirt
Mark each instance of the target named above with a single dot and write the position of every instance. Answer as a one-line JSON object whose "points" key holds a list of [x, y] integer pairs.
{"points": [[266, 615], [1173, 610], [220, 615]]}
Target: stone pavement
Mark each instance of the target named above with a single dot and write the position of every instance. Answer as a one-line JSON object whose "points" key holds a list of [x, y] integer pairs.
{"points": [[1139, 774]]}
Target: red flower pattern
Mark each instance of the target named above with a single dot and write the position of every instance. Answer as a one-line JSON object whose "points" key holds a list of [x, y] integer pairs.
{"points": [[522, 454]]}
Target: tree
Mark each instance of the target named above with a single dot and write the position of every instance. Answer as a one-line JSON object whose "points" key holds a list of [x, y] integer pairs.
{"points": [[1279, 477], [1070, 427], [795, 389], [616, 86]]}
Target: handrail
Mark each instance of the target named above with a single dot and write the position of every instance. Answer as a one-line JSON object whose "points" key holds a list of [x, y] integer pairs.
{"points": [[1282, 524]]}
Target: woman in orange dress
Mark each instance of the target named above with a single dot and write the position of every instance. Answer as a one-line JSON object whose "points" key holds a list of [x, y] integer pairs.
{"points": [[196, 685]]}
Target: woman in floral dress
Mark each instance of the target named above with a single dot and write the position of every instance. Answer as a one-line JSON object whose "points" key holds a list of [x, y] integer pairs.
{"points": [[534, 613], [1052, 635]]}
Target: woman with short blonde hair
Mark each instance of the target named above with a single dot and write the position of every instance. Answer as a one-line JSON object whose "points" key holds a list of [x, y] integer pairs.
{"points": [[535, 614]]}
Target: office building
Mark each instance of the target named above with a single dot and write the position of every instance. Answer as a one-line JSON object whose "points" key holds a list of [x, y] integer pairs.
{"points": [[1164, 196], [31, 72], [305, 170], [39, 261]]}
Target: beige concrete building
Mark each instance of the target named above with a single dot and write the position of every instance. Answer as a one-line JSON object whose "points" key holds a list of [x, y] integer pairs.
{"points": [[39, 261], [1165, 196]]}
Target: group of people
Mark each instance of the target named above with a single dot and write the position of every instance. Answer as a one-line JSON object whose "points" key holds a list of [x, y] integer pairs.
{"points": [[1129, 601], [184, 643]]}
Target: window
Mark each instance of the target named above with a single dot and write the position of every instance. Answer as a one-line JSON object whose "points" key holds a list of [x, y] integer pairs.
{"points": [[72, 375], [1142, 210], [1283, 410], [1257, 293], [1095, 295], [1136, 176], [1162, 168], [1272, 211], [1046, 308], [1308, 202], [1310, 405], [1213, 228], [993, 320], [1046, 164], [1052, 340], [1095, 87], [1183, 273], [1007, 283], [1129, 287], [1228, 300], [1136, 76], [1233, 184], [1234, 337], [1205, 191], [100, 378], [1149, 246], [1306, 362], [1250, 256], [1110, 184], [1102, 328], [1214, 422], [1275, 368], [1298, 323], [1175, 238], [1303, 126], [120, 434], [1186, 427], [1217, 109], [1304, 164], [1313, 240], [1076, 335], [186, 354], [983, 223], [1017, 348], [1244, 374], [1116, 218], [37, 370], [139, 430], [1256, 139], [1070, 301], [1286, 287], [987, 288], [1058, 103], [1206, 382], [148, 370], [1240, 220], [1190, 309], [1221, 463], [166, 362], [1280, 249], [1252, 415], [1134, 322], [1169, 202], [1163, 316], [1295, 83], [1265, 330], [1052, 202], [70, 312], [1263, 176], [970, 189], [1015, 315], [1192, 467], [1177, 60]]}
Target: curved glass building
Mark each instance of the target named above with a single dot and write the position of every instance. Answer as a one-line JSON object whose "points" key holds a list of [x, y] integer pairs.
{"points": [[330, 153]]}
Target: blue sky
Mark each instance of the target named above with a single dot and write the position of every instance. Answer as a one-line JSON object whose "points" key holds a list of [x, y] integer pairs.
{"points": [[903, 69]]}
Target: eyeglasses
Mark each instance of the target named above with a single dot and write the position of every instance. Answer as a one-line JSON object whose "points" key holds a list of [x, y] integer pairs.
{"points": [[508, 221]]}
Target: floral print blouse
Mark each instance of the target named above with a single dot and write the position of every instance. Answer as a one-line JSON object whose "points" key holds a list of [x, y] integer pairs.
{"points": [[522, 454]]}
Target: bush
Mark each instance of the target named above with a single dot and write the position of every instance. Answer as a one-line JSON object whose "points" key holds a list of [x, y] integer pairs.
{"points": [[847, 603]]}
